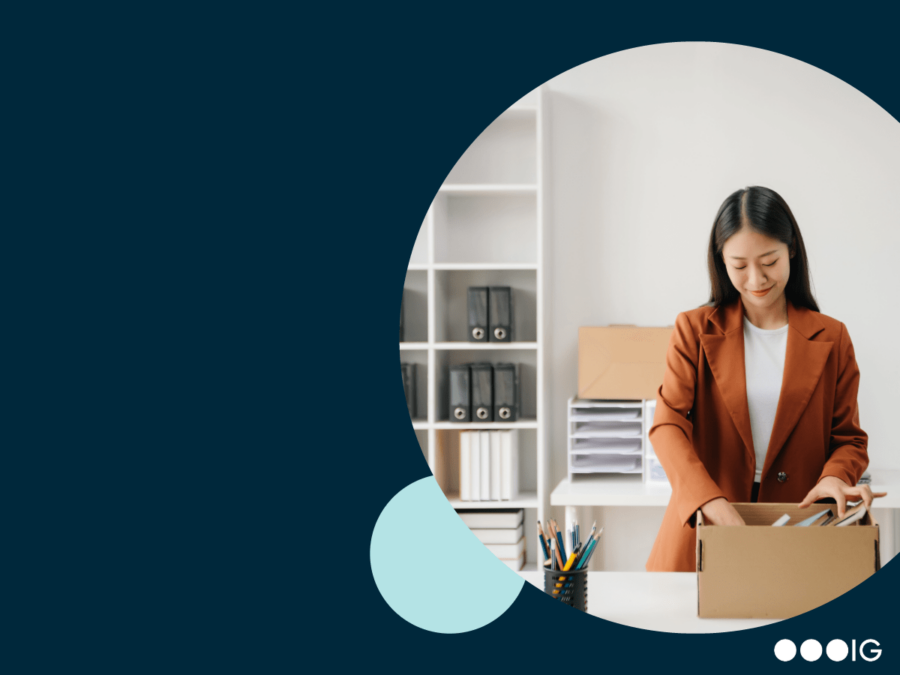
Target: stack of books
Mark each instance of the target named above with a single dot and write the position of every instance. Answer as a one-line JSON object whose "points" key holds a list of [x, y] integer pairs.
{"points": [[502, 532], [488, 465]]}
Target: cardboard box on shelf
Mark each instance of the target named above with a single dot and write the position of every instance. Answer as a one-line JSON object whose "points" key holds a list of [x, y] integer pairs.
{"points": [[621, 362], [765, 572]]}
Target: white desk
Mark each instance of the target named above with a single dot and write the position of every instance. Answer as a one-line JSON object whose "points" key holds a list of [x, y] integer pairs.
{"points": [[629, 490], [660, 601]]}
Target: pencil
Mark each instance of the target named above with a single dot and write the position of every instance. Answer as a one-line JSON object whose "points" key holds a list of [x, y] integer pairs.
{"points": [[562, 543], [585, 554], [543, 541], [589, 549], [594, 548]]}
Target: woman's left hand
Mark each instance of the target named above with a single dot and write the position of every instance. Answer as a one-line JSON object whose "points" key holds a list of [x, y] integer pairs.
{"points": [[834, 487]]}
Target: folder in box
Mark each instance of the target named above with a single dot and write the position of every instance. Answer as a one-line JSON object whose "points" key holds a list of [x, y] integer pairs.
{"points": [[485, 443], [507, 394], [500, 314], [509, 464], [482, 392], [475, 465], [496, 470], [465, 466], [460, 394], [478, 314]]}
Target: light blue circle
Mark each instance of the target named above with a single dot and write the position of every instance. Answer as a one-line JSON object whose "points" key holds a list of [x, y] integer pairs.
{"points": [[432, 570]]}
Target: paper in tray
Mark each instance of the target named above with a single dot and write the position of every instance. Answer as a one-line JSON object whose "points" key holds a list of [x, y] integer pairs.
{"points": [[613, 415], [606, 464], [616, 430], [605, 446]]}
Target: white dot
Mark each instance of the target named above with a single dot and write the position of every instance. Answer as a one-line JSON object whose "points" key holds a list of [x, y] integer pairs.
{"points": [[785, 650], [837, 650], [811, 650]]}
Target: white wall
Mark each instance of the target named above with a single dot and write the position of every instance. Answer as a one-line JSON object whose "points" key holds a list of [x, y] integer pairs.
{"points": [[645, 145]]}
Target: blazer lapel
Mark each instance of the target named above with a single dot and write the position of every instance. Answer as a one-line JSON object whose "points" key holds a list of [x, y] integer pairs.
{"points": [[804, 362], [725, 355]]}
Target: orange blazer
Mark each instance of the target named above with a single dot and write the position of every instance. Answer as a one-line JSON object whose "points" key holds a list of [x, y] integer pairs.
{"points": [[701, 430]]}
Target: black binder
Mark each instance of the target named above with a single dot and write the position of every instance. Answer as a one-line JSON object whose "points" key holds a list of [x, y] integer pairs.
{"points": [[507, 394], [401, 314], [460, 394], [409, 386], [500, 313], [478, 314], [482, 392]]}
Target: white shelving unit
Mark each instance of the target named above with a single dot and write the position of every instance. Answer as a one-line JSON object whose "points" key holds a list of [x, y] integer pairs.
{"points": [[485, 227]]}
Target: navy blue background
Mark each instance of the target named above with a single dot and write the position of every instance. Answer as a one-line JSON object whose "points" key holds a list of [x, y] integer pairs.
{"points": [[208, 219]]}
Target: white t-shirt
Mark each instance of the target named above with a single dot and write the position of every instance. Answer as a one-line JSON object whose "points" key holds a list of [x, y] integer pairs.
{"points": [[764, 352]]}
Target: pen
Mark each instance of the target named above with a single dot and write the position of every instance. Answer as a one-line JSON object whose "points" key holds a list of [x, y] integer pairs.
{"points": [[560, 549]]}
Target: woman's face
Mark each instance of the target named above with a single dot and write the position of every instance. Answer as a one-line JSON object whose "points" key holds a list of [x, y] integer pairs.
{"points": [[758, 266]]}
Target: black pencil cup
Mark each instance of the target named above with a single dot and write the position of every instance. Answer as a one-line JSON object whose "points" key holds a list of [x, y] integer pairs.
{"points": [[570, 587]]}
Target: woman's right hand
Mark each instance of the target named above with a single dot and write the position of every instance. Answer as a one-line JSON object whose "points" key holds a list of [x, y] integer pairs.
{"points": [[719, 511]]}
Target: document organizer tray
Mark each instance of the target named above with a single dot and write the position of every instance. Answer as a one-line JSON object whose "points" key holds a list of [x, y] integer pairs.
{"points": [[605, 436]]}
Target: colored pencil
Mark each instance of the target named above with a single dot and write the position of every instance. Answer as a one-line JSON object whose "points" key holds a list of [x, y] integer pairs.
{"points": [[543, 541], [553, 538], [562, 543]]}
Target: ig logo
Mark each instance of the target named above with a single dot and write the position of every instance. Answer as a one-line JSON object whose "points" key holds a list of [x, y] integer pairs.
{"points": [[837, 650]]}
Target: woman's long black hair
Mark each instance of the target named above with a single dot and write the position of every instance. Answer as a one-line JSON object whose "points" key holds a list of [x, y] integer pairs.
{"points": [[766, 212]]}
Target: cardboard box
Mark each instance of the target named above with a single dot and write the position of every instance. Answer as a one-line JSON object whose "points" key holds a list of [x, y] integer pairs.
{"points": [[621, 362], [765, 572]]}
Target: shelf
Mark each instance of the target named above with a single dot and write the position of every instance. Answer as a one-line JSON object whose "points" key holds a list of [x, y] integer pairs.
{"points": [[485, 227], [461, 426], [489, 267], [487, 189], [420, 346], [412, 346], [526, 500], [485, 345], [609, 490]]}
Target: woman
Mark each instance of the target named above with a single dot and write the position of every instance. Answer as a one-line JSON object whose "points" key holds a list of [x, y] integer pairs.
{"points": [[758, 401]]}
